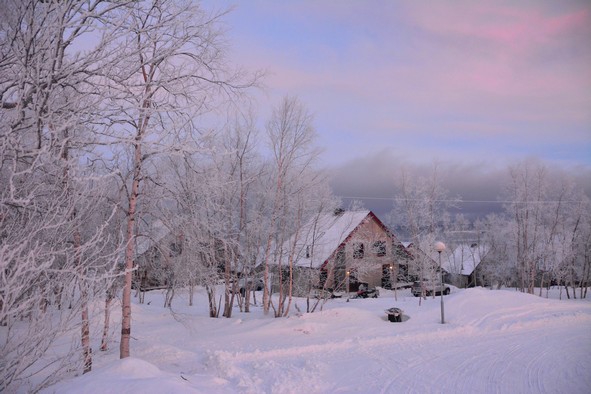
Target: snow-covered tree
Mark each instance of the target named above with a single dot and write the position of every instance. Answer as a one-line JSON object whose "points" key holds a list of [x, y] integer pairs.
{"points": [[51, 254], [170, 68], [420, 207], [291, 137], [546, 212]]}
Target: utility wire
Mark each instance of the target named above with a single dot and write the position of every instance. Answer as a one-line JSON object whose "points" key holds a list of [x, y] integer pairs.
{"points": [[460, 201]]}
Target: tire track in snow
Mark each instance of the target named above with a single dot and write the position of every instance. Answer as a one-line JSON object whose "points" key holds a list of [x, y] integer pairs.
{"points": [[448, 332], [470, 354], [523, 362]]}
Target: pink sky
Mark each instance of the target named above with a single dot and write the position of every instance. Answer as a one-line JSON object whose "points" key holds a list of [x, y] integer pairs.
{"points": [[452, 80]]}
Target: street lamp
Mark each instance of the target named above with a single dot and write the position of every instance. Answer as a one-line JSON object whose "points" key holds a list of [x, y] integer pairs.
{"points": [[347, 273], [391, 281], [440, 247]]}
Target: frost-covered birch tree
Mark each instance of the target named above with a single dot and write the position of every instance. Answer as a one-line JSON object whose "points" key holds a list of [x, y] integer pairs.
{"points": [[420, 207], [539, 240], [240, 141], [291, 140], [171, 69], [546, 210], [47, 200]]}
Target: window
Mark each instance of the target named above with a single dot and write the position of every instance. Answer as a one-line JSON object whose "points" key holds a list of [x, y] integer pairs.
{"points": [[358, 250], [323, 278], [379, 248]]}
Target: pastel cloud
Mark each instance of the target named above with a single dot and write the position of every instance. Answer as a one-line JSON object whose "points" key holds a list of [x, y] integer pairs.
{"points": [[499, 45], [512, 27], [468, 71]]}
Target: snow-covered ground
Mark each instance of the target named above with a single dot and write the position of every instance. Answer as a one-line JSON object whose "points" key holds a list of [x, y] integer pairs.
{"points": [[494, 341]]}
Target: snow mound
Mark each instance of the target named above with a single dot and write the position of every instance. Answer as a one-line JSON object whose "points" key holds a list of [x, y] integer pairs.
{"points": [[132, 375]]}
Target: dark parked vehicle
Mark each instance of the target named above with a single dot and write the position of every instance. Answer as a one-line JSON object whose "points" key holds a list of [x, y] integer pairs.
{"points": [[430, 288], [366, 292]]}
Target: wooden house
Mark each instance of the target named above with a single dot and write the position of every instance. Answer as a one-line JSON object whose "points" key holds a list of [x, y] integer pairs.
{"points": [[338, 251]]}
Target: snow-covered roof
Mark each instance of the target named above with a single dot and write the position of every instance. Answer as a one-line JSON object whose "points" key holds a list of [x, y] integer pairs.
{"points": [[464, 259], [320, 237]]}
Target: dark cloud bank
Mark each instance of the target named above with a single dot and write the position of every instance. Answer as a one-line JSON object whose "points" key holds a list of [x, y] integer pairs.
{"points": [[481, 186]]}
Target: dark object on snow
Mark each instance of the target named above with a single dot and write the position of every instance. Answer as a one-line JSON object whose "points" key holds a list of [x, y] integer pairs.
{"points": [[394, 315], [365, 292]]}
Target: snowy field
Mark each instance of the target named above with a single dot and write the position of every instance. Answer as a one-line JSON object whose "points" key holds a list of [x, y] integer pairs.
{"points": [[499, 341]]}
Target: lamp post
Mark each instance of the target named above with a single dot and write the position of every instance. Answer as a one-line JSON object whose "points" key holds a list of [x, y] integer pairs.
{"points": [[391, 281], [347, 277], [440, 247], [347, 273]]}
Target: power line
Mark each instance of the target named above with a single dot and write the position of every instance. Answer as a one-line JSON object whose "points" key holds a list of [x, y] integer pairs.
{"points": [[462, 201]]}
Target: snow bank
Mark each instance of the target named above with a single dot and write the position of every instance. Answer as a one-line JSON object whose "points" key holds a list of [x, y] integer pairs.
{"points": [[132, 375]]}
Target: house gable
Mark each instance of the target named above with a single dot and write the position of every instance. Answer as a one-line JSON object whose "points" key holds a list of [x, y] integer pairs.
{"points": [[464, 259], [353, 243]]}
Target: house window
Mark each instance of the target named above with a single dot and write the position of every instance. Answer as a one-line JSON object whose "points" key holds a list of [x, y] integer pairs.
{"points": [[358, 250], [379, 248], [323, 278]]}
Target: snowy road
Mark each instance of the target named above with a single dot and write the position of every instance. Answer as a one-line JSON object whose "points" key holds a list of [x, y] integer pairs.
{"points": [[532, 348], [492, 342]]}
